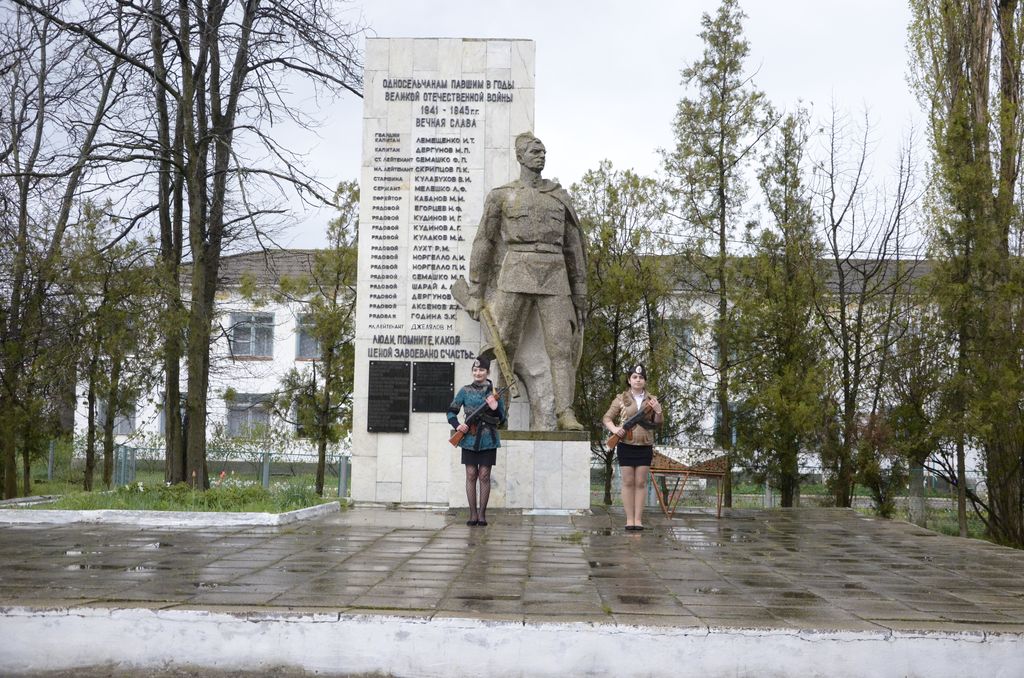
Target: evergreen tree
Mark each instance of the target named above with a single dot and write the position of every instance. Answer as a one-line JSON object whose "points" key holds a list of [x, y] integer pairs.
{"points": [[717, 127], [318, 397], [113, 287], [780, 375]]}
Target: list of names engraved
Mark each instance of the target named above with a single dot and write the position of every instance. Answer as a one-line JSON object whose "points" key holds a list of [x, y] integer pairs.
{"points": [[434, 109]]}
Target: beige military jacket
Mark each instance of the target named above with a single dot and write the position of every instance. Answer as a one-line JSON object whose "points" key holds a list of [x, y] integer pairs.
{"points": [[622, 408]]}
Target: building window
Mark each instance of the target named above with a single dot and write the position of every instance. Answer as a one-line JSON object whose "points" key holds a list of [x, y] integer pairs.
{"points": [[252, 334], [124, 421], [248, 415], [161, 420], [681, 334], [162, 410], [301, 431], [307, 347]]}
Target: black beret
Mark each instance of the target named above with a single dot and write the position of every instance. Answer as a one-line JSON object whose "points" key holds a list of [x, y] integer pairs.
{"points": [[638, 369]]}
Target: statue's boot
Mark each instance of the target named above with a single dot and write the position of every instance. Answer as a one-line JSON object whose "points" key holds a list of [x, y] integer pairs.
{"points": [[567, 421]]}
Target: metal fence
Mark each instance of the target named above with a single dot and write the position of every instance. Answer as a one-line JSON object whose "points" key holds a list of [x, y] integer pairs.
{"points": [[64, 470]]}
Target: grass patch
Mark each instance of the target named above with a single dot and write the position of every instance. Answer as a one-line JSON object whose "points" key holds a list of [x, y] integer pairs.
{"points": [[155, 477], [944, 521], [574, 538], [228, 496], [939, 520]]}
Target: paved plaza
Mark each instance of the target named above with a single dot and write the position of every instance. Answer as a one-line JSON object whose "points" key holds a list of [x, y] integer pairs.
{"points": [[788, 572]]}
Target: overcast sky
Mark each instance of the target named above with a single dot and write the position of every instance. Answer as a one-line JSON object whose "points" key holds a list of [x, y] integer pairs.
{"points": [[608, 73]]}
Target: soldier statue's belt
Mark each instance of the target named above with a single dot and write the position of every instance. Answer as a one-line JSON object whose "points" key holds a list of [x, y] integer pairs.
{"points": [[543, 247]]}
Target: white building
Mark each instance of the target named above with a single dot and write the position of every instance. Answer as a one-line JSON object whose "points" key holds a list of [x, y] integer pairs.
{"points": [[256, 342]]}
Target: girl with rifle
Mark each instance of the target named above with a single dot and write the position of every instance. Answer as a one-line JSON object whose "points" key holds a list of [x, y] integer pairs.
{"points": [[480, 435], [631, 419]]}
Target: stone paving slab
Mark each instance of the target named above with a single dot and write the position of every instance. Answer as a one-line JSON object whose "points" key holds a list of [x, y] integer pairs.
{"points": [[808, 569], [802, 571]]}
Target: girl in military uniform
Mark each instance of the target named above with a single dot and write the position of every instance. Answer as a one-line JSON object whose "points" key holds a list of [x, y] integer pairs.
{"points": [[636, 452], [480, 443]]}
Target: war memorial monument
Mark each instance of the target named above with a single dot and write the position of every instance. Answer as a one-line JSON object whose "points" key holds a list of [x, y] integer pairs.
{"points": [[463, 249]]}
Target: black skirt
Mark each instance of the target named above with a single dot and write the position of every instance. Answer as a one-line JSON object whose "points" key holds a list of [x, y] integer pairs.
{"points": [[634, 455], [481, 458]]}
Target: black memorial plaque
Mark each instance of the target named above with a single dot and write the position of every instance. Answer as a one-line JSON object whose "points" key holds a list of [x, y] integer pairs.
{"points": [[433, 386], [388, 397]]}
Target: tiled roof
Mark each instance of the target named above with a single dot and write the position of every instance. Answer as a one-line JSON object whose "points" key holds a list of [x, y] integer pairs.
{"points": [[267, 267], [854, 271]]}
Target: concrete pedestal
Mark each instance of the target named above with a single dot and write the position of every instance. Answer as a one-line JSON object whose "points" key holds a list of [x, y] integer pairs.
{"points": [[536, 470]]}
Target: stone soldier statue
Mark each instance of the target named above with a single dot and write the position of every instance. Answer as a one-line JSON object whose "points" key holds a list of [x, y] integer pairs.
{"points": [[528, 254]]}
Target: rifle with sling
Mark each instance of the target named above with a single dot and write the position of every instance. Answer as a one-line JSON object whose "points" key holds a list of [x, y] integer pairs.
{"points": [[629, 425], [460, 292], [471, 418]]}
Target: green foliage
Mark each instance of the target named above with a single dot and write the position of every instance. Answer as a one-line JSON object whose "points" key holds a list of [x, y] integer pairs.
{"points": [[629, 297], [967, 69], [113, 290], [781, 374], [919, 367], [718, 126], [944, 521], [317, 397], [251, 290], [228, 496], [54, 96]]}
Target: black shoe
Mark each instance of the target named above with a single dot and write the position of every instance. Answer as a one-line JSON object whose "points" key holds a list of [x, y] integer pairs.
{"points": [[630, 528], [482, 523], [472, 523], [638, 528]]}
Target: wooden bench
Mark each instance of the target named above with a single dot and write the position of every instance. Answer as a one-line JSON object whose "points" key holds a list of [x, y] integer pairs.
{"points": [[674, 472]]}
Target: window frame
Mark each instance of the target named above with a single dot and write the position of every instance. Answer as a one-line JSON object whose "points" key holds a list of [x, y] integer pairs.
{"points": [[247, 404], [124, 421], [304, 323], [251, 324]]}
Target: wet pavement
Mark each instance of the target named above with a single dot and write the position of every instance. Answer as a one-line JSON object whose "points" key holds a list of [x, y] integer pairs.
{"points": [[805, 569]]}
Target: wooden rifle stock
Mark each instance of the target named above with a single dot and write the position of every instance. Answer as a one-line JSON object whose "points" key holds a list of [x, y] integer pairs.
{"points": [[629, 424], [458, 435], [612, 442]]}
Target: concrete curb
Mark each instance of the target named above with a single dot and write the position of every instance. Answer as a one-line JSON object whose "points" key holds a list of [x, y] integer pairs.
{"points": [[336, 643], [164, 518]]}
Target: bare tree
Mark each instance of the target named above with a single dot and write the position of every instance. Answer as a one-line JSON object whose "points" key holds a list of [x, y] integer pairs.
{"points": [[220, 71], [865, 231], [56, 96]]}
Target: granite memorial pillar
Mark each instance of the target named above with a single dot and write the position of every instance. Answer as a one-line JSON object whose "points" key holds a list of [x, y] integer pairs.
{"points": [[439, 124]]}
